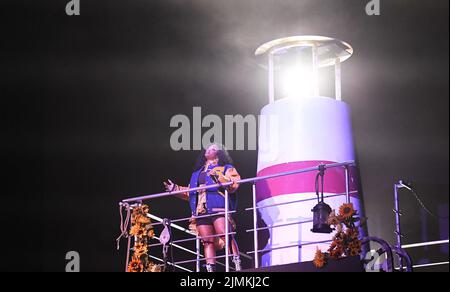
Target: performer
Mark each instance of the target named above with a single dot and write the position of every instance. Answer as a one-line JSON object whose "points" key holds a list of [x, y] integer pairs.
{"points": [[214, 165]]}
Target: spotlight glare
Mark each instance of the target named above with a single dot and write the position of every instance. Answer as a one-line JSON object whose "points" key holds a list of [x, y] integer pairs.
{"points": [[297, 82]]}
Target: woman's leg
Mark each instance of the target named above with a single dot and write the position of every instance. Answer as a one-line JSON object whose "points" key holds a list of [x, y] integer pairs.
{"points": [[219, 226], [205, 231]]}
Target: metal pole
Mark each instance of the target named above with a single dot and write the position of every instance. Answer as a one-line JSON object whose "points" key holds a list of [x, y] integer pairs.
{"points": [[290, 246], [177, 266], [203, 259], [191, 239], [255, 228], [227, 243], [347, 187], [425, 243], [176, 246], [197, 247], [337, 79], [129, 238], [242, 181], [397, 217], [128, 253], [175, 226], [298, 201], [279, 225], [271, 85], [398, 231], [315, 65], [430, 265]]}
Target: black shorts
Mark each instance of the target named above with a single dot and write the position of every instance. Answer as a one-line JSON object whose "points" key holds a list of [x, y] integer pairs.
{"points": [[208, 220]]}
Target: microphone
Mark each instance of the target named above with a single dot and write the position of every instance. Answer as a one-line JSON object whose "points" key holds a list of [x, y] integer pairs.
{"points": [[214, 177]]}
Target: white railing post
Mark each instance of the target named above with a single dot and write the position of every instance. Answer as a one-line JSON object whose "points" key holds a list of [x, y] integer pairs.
{"points": [[227, 243], [128, 253], [398, 231], [197, 247], [315, 65], [347, 185], [271, 87], [255, 228], [337, 79]]}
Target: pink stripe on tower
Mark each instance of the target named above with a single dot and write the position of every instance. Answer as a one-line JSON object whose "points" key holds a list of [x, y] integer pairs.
{"points": [[334, 180]]}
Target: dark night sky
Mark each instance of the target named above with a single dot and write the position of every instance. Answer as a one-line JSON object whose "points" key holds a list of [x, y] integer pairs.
{"points": [[88, 101]]}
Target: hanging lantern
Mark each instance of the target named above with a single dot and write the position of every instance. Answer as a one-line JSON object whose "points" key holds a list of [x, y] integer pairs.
{"points": [[321, 212]]}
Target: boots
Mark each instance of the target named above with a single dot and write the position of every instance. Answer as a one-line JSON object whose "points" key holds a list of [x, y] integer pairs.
{"points": [[237, 263], [210, 268]]}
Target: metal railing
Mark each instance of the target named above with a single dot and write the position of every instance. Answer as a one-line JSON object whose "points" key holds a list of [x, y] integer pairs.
{"points": [[429, 243], [128, 203], [423, 244], [197, 253], [401, 248]]}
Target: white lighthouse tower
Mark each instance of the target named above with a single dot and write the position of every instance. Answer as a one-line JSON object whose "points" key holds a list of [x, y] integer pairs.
{"points": [[300, 128]]}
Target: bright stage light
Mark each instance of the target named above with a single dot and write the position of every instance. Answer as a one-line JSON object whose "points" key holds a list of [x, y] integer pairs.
{"points": [[297, 82], [293, 65]]}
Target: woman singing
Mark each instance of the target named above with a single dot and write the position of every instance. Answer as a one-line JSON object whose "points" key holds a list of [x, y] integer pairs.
{"points": [[213, 165]]}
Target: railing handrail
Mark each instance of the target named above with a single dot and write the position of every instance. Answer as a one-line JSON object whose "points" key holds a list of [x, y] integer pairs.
{"points": [[420, 244], [299, 201], [242, 181], [288, 246], [188, 218]]}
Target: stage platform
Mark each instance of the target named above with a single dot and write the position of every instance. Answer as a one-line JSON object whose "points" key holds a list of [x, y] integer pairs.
{"points": [[349, 264]]}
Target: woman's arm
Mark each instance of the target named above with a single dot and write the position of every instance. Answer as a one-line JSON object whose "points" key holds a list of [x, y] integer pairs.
{"points": [[184, 196], [172, 187]]}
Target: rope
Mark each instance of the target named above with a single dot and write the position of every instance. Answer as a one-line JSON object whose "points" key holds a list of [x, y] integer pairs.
{"points": [[425, 207], [123, 224], [320, 174]]}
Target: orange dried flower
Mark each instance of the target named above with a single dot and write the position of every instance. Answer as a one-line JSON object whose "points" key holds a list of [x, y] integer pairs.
{"points": [[354, 248], [145, 209], [335, 254], [138, 231], [319, 259], [352, 233], [135, 266], [346, 211], [333, 219], [140, 219], [140, 249], [142, 229]]}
